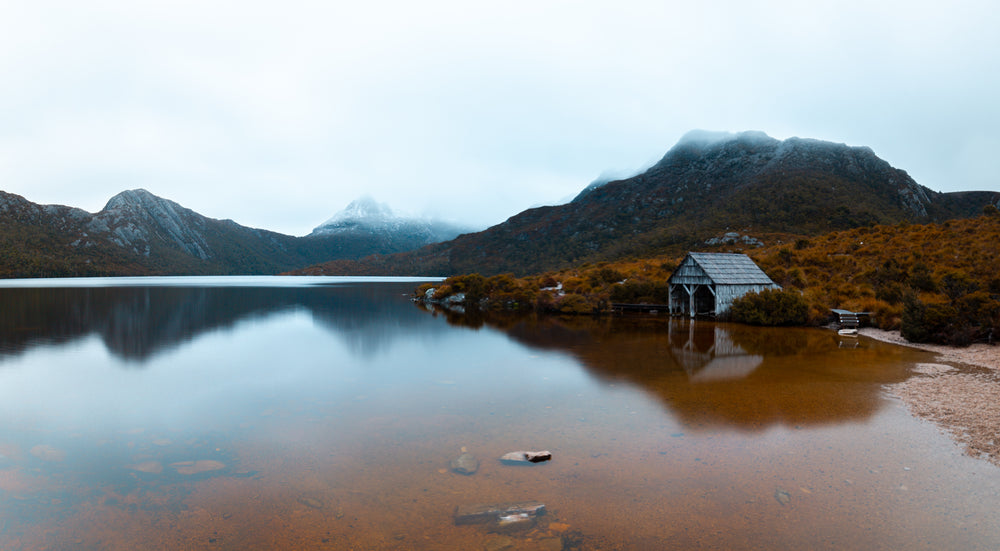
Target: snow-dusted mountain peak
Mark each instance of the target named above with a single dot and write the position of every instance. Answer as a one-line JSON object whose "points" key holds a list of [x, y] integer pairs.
{"points": [[367, 216], [362, 209], [363, 212]]}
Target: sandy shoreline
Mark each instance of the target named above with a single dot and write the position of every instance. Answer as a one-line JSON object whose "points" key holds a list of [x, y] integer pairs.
{"points": [[982, 355], [964, 401]]}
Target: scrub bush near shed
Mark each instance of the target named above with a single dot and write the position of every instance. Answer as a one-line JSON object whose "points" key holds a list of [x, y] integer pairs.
{"points": [[770, 307]]}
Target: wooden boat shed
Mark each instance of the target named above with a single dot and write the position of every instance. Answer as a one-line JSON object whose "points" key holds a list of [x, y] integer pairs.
{"points": [[708, 283]]}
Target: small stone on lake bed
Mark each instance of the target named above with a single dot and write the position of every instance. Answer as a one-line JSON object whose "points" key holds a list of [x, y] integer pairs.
{"points": [[498, 543], [149, 467], [514, 522], [481, 513], [465, 464], [48, 453], [558, 527], [196, 467], [311, 502], [524, 457]]}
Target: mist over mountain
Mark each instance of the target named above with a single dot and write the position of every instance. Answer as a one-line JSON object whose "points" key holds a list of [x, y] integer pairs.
{"points": [[710, 185], [138, 233], [369, 217]]}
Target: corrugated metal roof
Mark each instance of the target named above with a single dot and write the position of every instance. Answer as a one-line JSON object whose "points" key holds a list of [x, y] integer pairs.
{"points": [[731, 269]]}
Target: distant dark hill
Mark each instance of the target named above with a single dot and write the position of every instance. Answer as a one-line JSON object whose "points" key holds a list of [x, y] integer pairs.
{"points": [[138, 233], [707, 185]]}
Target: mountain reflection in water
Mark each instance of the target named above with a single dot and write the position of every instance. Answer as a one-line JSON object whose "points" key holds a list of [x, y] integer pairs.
{"points": [[705, 373], [329, 416], [137, 323]]}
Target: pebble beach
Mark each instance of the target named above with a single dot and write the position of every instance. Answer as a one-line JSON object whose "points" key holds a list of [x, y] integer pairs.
{"points": [[961, 394]]}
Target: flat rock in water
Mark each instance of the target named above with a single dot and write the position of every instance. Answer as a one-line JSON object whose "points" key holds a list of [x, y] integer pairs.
{"points": [[498, 543], [514, 522], [151, 467], [558, 527], [481, 512], [48, 453], [465, 464], [195, 467], [524, 457], [311, 502], [10, 451]]}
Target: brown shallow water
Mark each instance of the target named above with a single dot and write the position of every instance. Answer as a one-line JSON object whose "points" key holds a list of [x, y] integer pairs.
{"points": [[326, 417]]}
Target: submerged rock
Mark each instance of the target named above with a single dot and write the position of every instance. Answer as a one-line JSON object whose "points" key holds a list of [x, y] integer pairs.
{"points": [[523, 457], [782, 496], [311, 502], [558, 527], [10, 452], [498, 543], [465, 464], [514, 522], [149, 467], [482, 513], [48, 453], [196, 467]]}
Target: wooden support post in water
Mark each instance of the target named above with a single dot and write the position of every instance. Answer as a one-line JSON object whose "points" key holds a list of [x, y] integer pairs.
{"points": [[691, 291]]}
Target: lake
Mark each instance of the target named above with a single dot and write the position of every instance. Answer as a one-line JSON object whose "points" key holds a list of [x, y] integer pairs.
{"points": [[325, 413]]}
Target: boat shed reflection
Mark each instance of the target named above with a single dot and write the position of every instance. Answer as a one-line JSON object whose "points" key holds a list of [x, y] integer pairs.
{"points": [[708, 357]]}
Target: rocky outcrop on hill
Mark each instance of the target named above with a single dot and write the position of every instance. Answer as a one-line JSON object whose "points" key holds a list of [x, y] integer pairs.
{"points": [[136, 217]]}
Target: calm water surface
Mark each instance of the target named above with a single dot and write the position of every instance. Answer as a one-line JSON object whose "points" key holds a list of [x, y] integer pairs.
{"points": [[323, 414]]}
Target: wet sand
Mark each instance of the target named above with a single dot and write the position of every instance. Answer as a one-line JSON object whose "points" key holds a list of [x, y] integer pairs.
{"points": [[962, 397]]}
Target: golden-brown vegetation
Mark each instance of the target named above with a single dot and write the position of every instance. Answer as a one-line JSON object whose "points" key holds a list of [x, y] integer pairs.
{"points": [[935, 282]]}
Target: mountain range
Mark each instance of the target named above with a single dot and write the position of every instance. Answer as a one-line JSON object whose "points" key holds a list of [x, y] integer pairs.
{"points": [[138, 233], [709, 189]]}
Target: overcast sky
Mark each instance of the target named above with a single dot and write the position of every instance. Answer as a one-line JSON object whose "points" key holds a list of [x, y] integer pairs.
{"points": [[278, 114]]}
